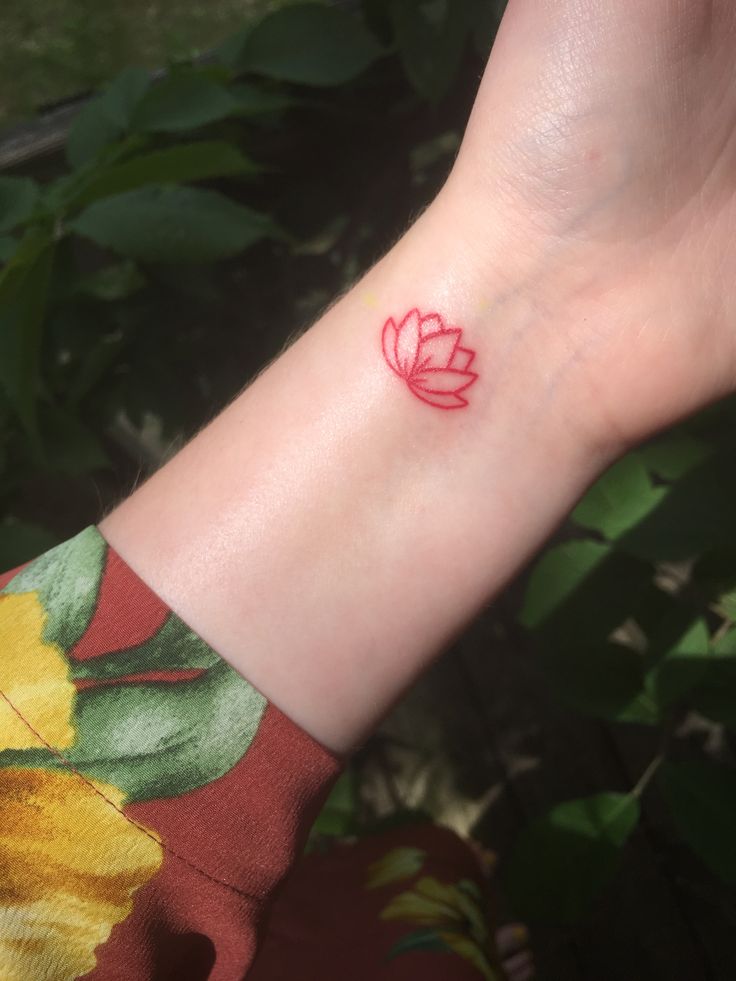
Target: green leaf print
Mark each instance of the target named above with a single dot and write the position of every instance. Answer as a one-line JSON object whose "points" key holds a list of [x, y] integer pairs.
{"points": [[173, 647], [67, 580], [159, 739]]}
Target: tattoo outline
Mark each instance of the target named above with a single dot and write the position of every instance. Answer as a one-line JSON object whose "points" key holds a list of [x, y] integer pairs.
{"points": [[427, 355]]}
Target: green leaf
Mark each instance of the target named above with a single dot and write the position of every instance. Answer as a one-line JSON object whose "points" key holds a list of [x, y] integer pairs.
{"points": [[172, 224], [8, 245], [36, 240], [183, 101], [431, 35], [124, 93], [18, 198], [229, 51], [67, 580], [159, 739], [114, 282], [664, 617], [338, 816], [713, 695], [605, 681], [21, 541], [696, 516], [671, 457], [23, 298], [561, 570], [622, 497], [425, 939], [91, 131], [253, 100], [310, 44], [702, 801], [173, 647], [679, 667], [562, 861], [104, 119], [173, 165], [582, 590], [725, 645]]}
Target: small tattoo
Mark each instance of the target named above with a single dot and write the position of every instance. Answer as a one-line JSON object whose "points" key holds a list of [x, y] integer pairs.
{"points": [[427, 355]]}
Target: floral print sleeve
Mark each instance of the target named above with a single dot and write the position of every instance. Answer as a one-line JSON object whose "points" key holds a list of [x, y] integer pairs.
{"points": [[151, 799]]}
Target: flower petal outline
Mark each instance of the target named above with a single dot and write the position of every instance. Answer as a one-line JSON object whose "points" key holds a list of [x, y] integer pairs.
{"points": [[443, 380], [407, 342], [463, 358], [443, 400], [438, 350], [428, 356], [432, 323], [388, 339]]}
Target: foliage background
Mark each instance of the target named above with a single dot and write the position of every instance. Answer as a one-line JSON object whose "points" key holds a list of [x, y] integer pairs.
{"points": [[52, 50], [198, 219]]}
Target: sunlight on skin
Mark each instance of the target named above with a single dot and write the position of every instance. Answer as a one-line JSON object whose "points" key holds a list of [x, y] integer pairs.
{"points": [[329, 532]]}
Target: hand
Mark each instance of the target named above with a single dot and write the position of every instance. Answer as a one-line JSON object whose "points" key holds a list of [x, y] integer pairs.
{"points": [[605, 135]]}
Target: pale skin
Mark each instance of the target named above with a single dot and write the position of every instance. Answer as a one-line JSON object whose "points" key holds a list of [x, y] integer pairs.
{"points": [[329, 532]]}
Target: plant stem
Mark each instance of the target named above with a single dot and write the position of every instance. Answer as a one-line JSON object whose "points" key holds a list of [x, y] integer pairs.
{"points": [[644, 780]]}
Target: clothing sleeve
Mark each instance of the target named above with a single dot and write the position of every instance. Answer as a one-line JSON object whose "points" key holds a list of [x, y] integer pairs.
{"points": [[151, 800]]}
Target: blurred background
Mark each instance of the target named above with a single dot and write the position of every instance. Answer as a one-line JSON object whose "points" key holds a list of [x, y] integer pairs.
{"points": [[182, 187]]}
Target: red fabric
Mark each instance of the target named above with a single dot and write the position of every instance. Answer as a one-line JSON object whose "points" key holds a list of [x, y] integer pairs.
{"points": [[5, 577], [261, 810], [224, 849], [224, 846], [327, 925], [242, 832], [127, 612]]}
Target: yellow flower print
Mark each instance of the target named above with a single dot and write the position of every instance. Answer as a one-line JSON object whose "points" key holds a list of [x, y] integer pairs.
{"points": [[70, 860], [454, 916], [34, 678], [71, 864]]}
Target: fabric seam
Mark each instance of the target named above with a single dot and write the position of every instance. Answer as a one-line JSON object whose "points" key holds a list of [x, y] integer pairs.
{"points": [[70, 766]]}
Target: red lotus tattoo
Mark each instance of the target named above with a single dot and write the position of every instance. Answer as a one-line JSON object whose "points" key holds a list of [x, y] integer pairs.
{"points": [[428, 356]]}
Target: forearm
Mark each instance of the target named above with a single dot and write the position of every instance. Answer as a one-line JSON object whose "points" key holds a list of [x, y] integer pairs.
{"points": [[330, 531]]}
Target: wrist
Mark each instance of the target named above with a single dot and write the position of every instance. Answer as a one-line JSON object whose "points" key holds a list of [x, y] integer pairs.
{"points": [[330, 530], [608, 236], [544, 310]]}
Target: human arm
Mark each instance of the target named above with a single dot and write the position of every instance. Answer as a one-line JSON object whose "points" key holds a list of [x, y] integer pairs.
{"points": [[329, 532]]}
